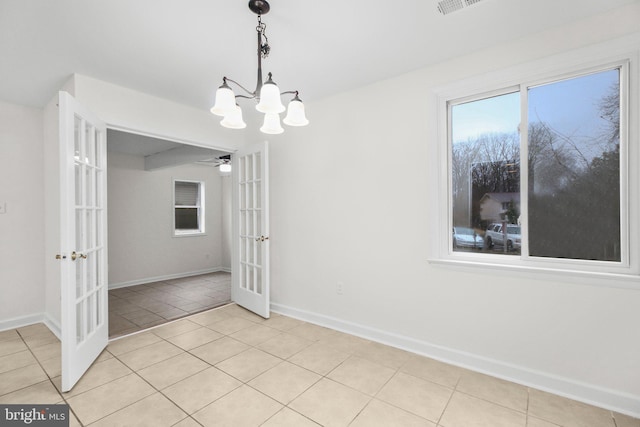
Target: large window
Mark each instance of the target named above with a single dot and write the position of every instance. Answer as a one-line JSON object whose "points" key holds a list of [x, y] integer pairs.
{"points": [[188, 207], [536, 171]]}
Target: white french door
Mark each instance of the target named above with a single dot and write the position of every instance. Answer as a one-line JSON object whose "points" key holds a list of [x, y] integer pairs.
{"points": [[251, 229], [83, 223]]}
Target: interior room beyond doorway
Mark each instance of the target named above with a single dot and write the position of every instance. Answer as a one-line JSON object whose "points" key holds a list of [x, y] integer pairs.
{"points": [[157, 272]]}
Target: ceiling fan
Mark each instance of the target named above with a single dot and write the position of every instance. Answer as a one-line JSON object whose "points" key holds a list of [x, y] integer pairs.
{"points": [[222, 162]]}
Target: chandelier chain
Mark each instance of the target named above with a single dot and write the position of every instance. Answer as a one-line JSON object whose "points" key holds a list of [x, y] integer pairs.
{"points": [[264, 44]]}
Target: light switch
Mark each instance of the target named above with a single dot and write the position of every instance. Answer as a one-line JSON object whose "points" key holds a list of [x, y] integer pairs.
{"points": [[3, 207]]}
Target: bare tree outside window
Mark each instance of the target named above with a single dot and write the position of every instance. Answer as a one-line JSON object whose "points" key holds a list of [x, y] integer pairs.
{"points": [[574, 168]]}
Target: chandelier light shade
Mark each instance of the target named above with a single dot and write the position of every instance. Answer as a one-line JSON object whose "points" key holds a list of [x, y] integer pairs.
{"points": [[233, 119], [270, 98], [225, 101], [267, 94], [295, 113], [271, 124]]}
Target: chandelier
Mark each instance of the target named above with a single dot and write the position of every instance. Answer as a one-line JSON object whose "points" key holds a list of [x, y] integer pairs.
{"points": [[267, 94]]}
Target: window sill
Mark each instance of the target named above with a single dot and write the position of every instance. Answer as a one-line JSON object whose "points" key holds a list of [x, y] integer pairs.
{"points": [[628, 280], [189, 234]]}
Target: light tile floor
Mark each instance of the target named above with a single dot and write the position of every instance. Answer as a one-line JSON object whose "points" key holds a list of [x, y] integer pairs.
{"points": [[139, 307], [228, 367]]}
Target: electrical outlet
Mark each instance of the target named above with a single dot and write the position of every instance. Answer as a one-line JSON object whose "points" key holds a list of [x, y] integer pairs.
{"points": [[3, 208], [340, 288]]}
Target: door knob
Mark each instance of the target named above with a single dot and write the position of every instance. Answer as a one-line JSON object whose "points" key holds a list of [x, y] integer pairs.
{"points": [[75, 255]]}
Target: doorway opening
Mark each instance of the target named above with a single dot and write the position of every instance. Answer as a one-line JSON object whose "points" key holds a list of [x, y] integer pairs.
{"points": [[157, 272]]}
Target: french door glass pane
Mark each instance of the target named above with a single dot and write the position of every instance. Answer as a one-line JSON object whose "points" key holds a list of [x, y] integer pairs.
{"points": [[249, 168], [77, 139], [79, 230], [251, 279], [98, 187], [243, 223], [258, 165], [88, 186], [574, 168], [79, 279], [98, 309], [79, 322], [99, 214], [245, 279], [99, 268], [243, 196], [90, 155], [250, 222], [91, 271], [88, 320], [77, 168], [485, 175], [98, 146], [258, 193], [90, 229], [259, 253], [258, 280]]}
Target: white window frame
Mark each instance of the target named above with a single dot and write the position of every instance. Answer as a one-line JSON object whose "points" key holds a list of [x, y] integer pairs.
{"points": [[601, 57], [200, 206]]}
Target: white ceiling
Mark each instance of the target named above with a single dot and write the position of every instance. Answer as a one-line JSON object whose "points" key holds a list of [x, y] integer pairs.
{"points": [[160, 153], [137, 145], [180, 50]]}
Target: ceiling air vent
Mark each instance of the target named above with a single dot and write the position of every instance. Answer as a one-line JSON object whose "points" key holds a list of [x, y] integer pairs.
{"points": [[447, 6]]}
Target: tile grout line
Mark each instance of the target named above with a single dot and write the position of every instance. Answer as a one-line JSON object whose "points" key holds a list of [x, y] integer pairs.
{"points": [[446, 406], [49, 379], [246, 383], [214, 366], [133, 371], [190, 376]]}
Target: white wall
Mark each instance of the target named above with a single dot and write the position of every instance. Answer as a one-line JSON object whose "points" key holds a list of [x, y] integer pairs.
{"points": [[142, 247], [22, 225], [127, 109], [340, 211]]}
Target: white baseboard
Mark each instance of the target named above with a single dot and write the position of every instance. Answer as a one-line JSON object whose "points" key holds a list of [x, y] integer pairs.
{"points": [[167, 277], [32, 319], [614, 400], [19, 322], [53, 325]]}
